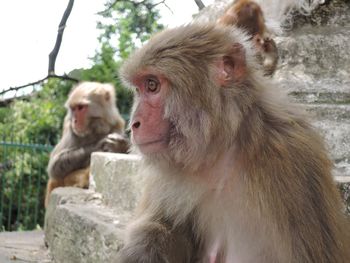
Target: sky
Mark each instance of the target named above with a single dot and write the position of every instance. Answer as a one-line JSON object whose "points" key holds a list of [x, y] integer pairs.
{"points": [[29, 29]]}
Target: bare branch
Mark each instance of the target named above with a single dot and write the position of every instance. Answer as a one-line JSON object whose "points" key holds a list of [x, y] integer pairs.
{"points": [[61, 27], [161, 2], [199, 4], [144, 2], [164, 3], [64, 77]]}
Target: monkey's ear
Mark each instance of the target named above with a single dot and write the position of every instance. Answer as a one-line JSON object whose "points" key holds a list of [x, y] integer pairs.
{"points": [[232, 67], [107, 95], [105, 92]]}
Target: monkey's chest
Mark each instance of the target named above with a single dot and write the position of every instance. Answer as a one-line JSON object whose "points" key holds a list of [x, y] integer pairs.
{"points": [[231, 232]]}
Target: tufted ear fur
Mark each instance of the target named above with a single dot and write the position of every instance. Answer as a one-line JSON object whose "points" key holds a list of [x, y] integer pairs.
{"points": [[105, 92], [232, 67]]}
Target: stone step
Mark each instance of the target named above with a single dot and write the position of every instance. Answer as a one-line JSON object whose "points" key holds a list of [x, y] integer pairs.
{"points": [[306, 89], [111, 181], [333, 122], [321, 52], [333, 112], [342, 171], [337, 137], [79, 228], [22, 247], [334, 12], [116, 176]]}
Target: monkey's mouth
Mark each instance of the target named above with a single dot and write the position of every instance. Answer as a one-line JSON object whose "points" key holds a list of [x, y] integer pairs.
{"points": [[152, 146]]}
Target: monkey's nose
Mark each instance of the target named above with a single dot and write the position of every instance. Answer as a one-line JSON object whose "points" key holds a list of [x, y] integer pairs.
{"points": [[136, 125]]}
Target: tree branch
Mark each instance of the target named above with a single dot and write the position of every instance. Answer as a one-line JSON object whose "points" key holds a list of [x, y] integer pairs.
{"points": [[144, 2], [109, 8], [61, 27], [64, 77], [199, 4], [52, 55]]}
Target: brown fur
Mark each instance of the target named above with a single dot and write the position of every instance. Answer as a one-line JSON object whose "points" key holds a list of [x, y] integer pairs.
{"points": [[244, 177], [78, 178], [103, 131], [248, 15]]}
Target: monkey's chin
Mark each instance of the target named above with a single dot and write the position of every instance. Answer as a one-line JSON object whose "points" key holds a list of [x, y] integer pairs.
{"points": [[152, 147]]}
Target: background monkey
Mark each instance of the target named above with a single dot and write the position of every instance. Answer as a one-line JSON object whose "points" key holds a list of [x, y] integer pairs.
{"points": [[92, 123], [248, 15], [233, 173]]}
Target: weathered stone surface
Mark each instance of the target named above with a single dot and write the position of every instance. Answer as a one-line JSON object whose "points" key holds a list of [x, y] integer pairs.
{"points": [[333, 122], [79, 228], [116, 177], [320, 53], [131, 182], [334, 12], [21, 247], [344, 186], [337, 137]]}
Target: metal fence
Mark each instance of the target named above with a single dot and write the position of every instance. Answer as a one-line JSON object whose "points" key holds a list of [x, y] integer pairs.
{"points": [[23, 180]]}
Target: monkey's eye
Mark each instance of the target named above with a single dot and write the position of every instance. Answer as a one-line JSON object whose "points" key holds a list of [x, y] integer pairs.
{"points": [[80, 107], [152, 85]]}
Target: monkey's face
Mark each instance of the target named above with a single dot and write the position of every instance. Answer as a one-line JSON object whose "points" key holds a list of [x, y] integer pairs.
{"points": [[79, 120], [91, 109], [150, 130], [185, 82]]}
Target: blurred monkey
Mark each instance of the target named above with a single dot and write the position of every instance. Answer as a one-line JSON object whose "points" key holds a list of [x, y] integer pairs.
{"points": [[92, 123], [247, 15]]}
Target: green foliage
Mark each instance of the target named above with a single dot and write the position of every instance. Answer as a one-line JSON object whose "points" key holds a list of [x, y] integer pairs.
{"points": [[105, 70], [3, 113], [125, 24], [22, 164], [22, 186], [130, 22], [39, 118]]}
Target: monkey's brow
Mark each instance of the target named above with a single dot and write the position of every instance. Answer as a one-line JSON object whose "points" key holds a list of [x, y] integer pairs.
{"points": [[170, 47]]}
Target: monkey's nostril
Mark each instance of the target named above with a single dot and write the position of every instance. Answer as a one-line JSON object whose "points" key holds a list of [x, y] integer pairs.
{"points": [[136, 124]]}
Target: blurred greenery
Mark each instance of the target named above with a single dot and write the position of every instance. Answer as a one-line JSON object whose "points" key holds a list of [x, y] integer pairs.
{"points": [[38, 118]]}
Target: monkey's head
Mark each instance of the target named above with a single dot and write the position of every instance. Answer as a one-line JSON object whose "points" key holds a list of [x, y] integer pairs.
{"points": [[91, 108], [189, 83]]}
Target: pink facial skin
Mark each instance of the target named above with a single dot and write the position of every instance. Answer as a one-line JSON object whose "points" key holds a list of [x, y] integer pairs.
{"points": [[150, 131]]}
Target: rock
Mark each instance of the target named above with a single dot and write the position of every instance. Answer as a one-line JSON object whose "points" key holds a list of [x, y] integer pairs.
{"points": [[317, 52], [26, 246], [344, 186], [332, 13], [79, 228], [119, 171]]}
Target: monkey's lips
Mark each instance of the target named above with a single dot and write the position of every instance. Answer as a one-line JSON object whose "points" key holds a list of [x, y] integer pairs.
{"points": [[152, 146]]}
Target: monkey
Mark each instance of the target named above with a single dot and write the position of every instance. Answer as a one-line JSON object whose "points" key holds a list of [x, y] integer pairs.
{"points": [[267, 53], [92, 123], [249, 16], [233, 172]]}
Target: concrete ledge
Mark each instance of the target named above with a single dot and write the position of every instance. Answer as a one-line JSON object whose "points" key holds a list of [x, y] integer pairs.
{"points": [[116, 177], [79, 228], [344, 186]]}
